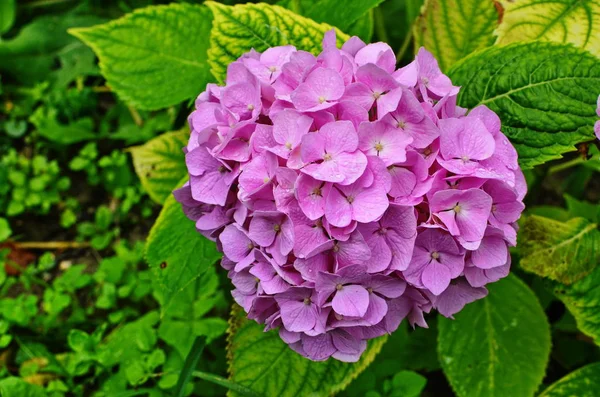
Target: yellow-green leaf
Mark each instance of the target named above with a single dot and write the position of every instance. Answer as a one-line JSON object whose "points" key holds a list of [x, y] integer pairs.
{"points": [[263, 363], [562, 251], [561, 21], [160, 163], [585, 382], [238, 29], [452, 29]]}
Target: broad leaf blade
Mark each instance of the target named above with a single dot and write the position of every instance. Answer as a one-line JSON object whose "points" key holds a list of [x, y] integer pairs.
{"points": [[238, 29], [585, 382], [544, 93], [562, 251], [452, 29], [582, 299], [331, 11], [176, 252], [561, 21], [154, 57], [263, 363], [8, 10], [32, 54], [160, 163], [497, 346]]}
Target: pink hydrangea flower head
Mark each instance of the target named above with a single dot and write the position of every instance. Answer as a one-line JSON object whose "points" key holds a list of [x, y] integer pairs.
{"points": [[348, 195]]}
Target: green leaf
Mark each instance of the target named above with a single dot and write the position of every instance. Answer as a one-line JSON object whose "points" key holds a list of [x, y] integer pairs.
{"points": [[32, 54], [583, 209], [330, 11], [5, 230], [562, 251], [544, 93], [240, 28], [18, 387], [184, 319], [585, 382], [407, 384], [363, 27], [7, 15], [452, 29], [562, 21], [47, 124], [189, 365], [176, 252], [497, 346], [160, 163], [154, 57], [266, 365], [582, 299]]}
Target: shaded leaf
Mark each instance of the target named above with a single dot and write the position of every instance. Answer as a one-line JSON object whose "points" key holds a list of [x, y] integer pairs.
{"points": [[497, 346], [160, 163], [544, 93], [585, 382], [154, 57], [31, 55], [330, 11], [8, 10], [582, 299]]}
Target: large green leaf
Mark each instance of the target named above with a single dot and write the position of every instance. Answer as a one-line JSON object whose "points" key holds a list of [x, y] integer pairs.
{"points": [[582, 299], [562, 251], [544, 93], [8, 10], [154, 57], [561, 21], [331, 11], [452, 29], [176, 252], [33, 53], [160, 163], [266, 365], [585, 382], [238, 29], [497, 346]]}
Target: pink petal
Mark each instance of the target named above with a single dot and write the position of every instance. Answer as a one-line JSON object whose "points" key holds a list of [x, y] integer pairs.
{"points": [[351, 300], [436, 277]]}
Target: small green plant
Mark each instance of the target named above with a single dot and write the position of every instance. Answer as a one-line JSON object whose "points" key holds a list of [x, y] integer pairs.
{"points": [[30, 184]]}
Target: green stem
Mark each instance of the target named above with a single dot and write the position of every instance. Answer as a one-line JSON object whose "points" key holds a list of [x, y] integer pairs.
{"points": [[566, 165], [236, 387], [380, 25], [405, 44]]}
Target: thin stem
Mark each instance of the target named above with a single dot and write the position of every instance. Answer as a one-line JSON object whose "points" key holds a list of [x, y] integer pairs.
{"points": [[380, 25], [101, 89], [135, 116], [566, 165], [45, 3], [405, 44], [51, 245], [236, 387]]}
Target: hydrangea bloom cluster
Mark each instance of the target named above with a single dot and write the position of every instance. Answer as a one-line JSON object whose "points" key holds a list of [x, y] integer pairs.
{"points": [[347, 195]]}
